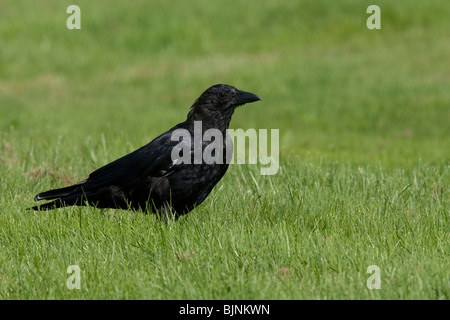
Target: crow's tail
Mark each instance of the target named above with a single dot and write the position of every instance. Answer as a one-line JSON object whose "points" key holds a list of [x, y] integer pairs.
{"points": [[62, 197]]}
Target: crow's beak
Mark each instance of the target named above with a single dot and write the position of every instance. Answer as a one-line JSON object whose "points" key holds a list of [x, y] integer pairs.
{"points": [[246, 97]]}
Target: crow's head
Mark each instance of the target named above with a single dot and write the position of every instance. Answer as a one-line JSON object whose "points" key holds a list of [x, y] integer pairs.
{"points": [[221, 99]]}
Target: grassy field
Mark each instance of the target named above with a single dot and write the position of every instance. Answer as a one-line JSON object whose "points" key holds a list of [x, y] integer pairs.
{"points": [[364, 122]]}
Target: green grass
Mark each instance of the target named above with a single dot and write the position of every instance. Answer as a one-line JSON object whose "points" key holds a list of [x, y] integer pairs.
{"points": [[364, 139]]}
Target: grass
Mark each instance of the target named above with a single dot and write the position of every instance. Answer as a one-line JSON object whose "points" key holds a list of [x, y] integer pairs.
{"points": [[309, 234], [364, 139]]}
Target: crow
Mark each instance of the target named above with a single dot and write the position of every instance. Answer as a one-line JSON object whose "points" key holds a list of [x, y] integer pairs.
{"points": [[151, 178]]}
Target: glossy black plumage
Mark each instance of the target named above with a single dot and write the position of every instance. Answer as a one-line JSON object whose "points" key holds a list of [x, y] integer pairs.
{"points": [[148, 178]]}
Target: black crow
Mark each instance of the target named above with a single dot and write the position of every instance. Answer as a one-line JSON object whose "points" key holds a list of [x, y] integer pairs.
{"points": [[155, 178]]}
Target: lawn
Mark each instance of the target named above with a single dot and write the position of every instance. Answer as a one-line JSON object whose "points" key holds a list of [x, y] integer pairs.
{"points": [[364, 123]]}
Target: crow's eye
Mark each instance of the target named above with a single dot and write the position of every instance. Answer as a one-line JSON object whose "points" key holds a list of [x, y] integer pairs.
{"points": [[222, 94]]}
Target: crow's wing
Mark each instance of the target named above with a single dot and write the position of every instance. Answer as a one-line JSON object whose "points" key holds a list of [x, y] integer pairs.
{"points": [[153, 159]]}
